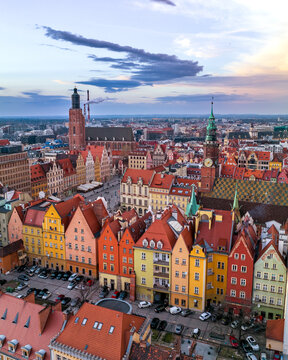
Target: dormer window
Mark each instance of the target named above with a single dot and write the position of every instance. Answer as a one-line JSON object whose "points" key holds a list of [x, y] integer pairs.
{"points": [[12, 345], [40, 355], [2, 340], [159, 245], [26, 350], [145, 243], [152, 244]]}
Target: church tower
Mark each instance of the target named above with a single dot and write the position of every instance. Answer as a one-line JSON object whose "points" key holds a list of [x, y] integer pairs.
{"points": [[210, 168], [76, 124]]}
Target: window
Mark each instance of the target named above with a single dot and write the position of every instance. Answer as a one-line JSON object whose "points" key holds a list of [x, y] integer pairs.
{"points": [[76, 246], [210, 257], [176, 273], [112, 257], [143, 267], [196, 290], [258, 275], [143, 256], [220, 265], [82, 248], [257, 286], [176, 287], [124, 270], [143, 281], [104, 247], [220, 278], [176, 261], [273, 277], [233, 281], [281, 278], [124, 259], [236, 256], [243, 282], [265, 287], [242, 295], [183, 289], [264, 299], [183, 261], [130, 260], [84, 321], [243, 269], [111, 267], [266, 265], [111, 329], [271, 300], [176, 301], [273, 288], [279, 302], [233, 293], [89, 249], [104, 266], [197, 262], [180, 249], [257, 298], [184, 275], [243, 257], [76, 320], [75, 237], [196, 276], [274, 267], [75, 230], [280, 290], [234, 267], [266, 276], [83, 259], [111, 248], [104, 256]]}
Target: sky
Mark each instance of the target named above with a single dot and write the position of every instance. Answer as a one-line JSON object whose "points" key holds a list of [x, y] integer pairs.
{"points": [[144, 56]]}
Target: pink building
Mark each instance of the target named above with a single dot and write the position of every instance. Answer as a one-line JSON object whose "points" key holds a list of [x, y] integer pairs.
{"points": [[15, 224]]}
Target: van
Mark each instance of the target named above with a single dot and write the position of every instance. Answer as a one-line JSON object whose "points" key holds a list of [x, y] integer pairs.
{"points": [[175, 310]]}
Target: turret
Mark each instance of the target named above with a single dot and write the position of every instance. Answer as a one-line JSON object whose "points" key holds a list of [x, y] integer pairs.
{"points": [[75, 99]]}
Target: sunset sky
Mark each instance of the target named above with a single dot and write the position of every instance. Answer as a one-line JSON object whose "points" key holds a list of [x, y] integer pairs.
{"points": [[144, 56]]}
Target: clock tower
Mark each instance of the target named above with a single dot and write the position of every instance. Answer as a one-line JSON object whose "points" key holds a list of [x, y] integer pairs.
{"points": [[210, 168]]}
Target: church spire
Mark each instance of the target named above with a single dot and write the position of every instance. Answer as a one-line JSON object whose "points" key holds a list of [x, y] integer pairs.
{"points": [[212, 115], [235, 208], [192, 207], [211, 127]]}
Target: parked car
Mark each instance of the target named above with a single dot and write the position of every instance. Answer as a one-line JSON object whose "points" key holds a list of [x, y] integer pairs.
{"points": [[247, 326], [38, 270], [115, 294], [73, 277], [66, 275], [21, 286], [186, 312], [195, 333], [245, 346], [263, 356], [46, 295], [233, 341], [179, 328], [252, 342], [29, 272], [21, 268], [65, 301], [43, 275], [23, 277], [71, 285], [225, 320], [205, 316], [104, 292], [162, 325], [75, 302], [41, 293], [30, 290], [154, 323], [79, 278], [235, 324], [250, 356], [144, 304], [159, 308], [33, 268], [123, 295], [80, 286], [217, 316], [59, 298], [20, 296], [60, 275], [54, 274], [89, 282], [175, 310]]}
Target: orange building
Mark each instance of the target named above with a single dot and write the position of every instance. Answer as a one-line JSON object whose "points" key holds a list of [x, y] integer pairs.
{"points": [[12, 255], [38, 181]]}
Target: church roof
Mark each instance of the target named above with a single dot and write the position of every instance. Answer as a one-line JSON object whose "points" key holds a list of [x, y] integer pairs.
{"points": [[109, 134]]}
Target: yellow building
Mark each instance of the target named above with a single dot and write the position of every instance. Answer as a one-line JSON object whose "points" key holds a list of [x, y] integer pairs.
{"points": [[159, 190], [80, 170], [180, 269], [276, 163], [32, 233], [140, 160], [55, 222], [97, 169], [197, 277]]}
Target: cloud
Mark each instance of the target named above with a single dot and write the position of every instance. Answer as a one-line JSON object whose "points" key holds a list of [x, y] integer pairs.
{"points": [[165, 2], [57, 47], [2, 88], [218, 97], [112, 86], [144, 66]]}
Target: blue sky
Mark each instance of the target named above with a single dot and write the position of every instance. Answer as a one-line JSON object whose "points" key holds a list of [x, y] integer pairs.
{"points": [[144, 56]]}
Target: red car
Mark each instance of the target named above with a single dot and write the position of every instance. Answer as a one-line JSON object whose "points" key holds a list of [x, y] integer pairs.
{"points": [[116, 294], [89, 282], [233, 341], [59, 298]]}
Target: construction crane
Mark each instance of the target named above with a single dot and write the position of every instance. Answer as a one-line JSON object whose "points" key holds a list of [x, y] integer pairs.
{"points": [[88, 102]]}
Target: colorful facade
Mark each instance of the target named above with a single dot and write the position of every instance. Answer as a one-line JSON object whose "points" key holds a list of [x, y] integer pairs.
{"points": [[159, 190]]}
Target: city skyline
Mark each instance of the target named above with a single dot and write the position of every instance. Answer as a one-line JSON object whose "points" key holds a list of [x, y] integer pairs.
{"points": [[144, 57]]}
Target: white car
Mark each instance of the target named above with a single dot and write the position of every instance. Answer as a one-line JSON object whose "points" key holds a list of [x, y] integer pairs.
{"points": [[21, 286], [234, 324], [175, 310], [263, 356], [144, 304], [73, 277], [250, 356], [252, 342], [46, 295], [71, 285], [205, 316]]}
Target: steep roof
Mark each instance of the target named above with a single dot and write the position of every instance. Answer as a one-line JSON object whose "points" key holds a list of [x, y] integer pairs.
{"points": [[99, 210], [135, 175], [10, 249], [34, 217], [109, 134], [67, 166], [138, 227], [43, 324], [37, 173], [65, 207], [162, 181], [99, 342], [91, 219], [265, 248]]}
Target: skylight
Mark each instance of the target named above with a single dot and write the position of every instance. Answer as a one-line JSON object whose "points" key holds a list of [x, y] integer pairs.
{"points": [[27, 322], [76, 320], [4, 315], [84, 321], [111, 329], [16, 318]]}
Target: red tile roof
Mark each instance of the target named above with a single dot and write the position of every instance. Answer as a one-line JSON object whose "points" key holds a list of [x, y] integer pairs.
{"points": [[39, 332], [37, 173], [99, 210], [162, 181], [135, 175], [67, 166], [4, 142], [99, 342], [34, 217]]}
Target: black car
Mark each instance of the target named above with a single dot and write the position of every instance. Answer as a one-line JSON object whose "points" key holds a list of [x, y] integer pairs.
{"points": [[217, 316], [226, 320], [104, 292], [123, 295], [154, 323], [79, 278], [159, 308], [29, 291], [60, 275], [54, 274], [65, 301], [66, 275], [245, 346], [162, 325], [41, 293], [23, 277], [21, 268]]}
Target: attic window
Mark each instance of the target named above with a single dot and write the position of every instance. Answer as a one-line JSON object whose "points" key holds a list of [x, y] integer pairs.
{"points": [[2, 339], [111, 329], [84, 321], [145, 243], [159, 245], [40, 354], [16, 318], [152, 244], [4, 315], [76, 320], [27, 323], [26, 350], [86, 347]]}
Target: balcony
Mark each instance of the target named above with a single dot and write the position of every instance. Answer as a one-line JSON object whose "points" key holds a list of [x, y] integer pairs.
{"points": [[158, 286], [161, 274], [157, 261]]}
